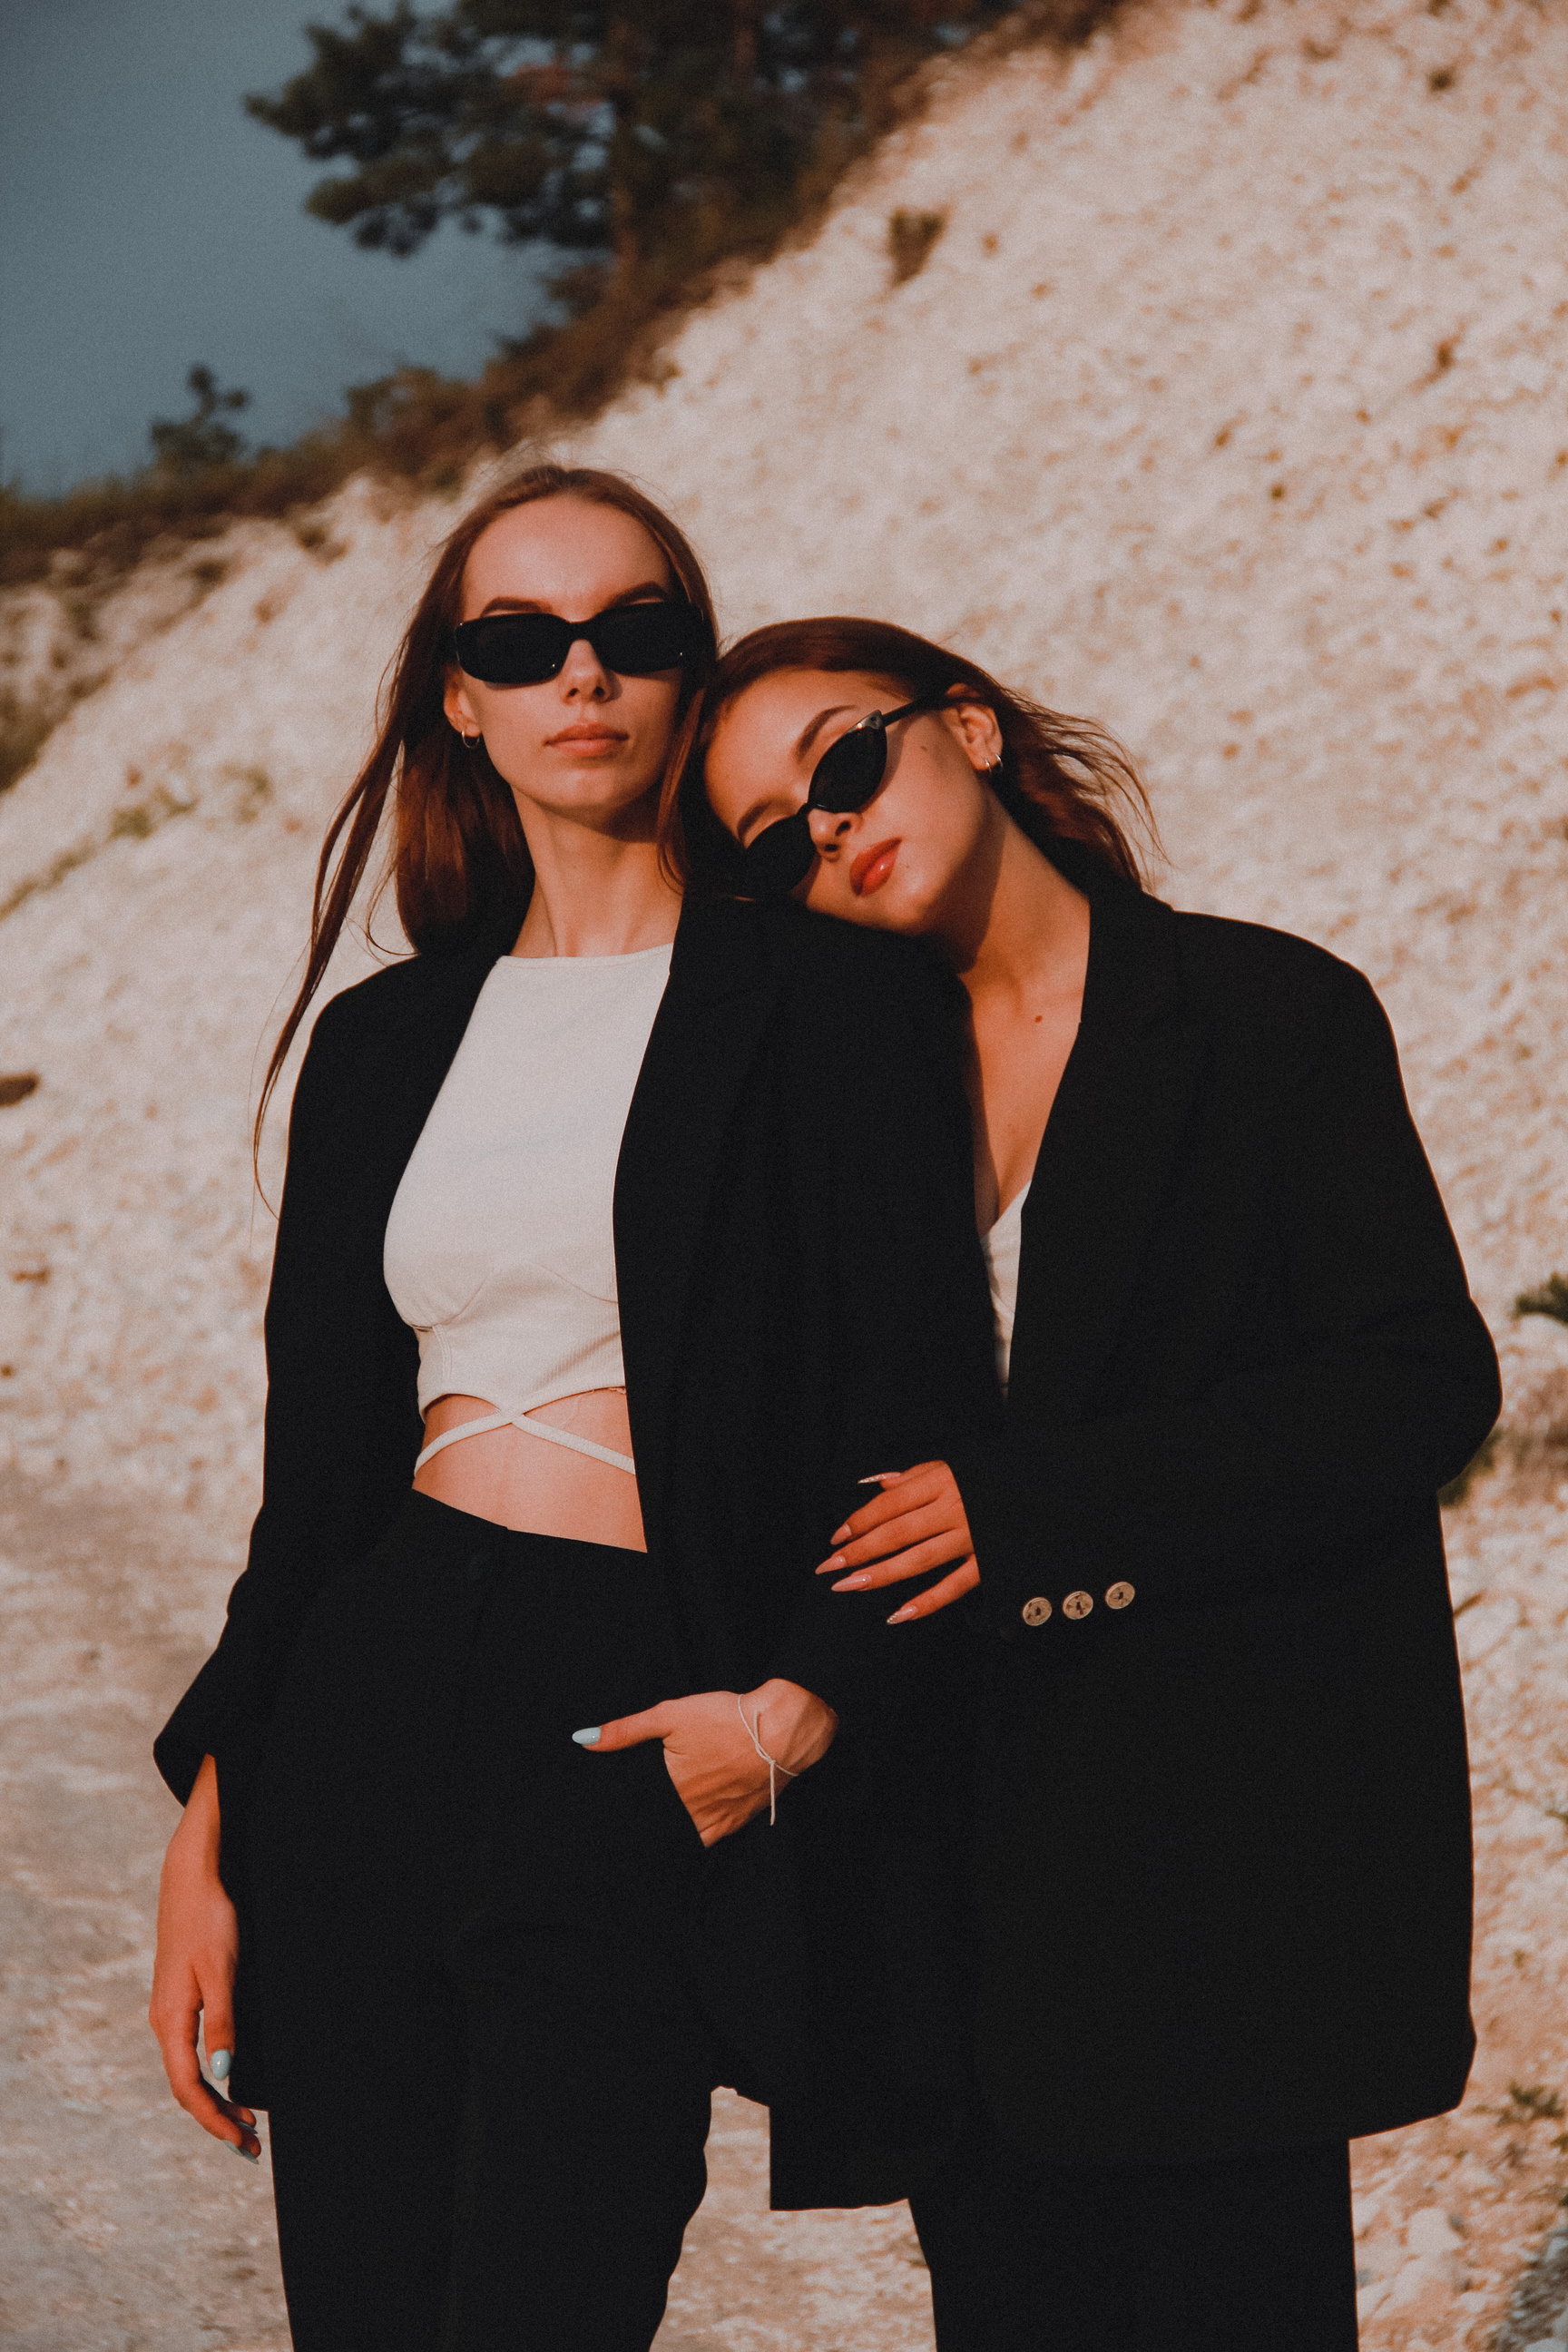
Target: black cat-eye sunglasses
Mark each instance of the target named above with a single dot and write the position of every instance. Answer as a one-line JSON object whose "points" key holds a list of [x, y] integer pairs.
{"points": [[844, 778], [527, 649]]}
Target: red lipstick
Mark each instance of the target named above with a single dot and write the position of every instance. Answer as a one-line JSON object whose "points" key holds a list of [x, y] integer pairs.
{"points": [[873, 867]]}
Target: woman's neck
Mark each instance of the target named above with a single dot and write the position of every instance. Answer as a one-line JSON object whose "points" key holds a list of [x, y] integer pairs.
{"points": [[1021, 932], [595, 894], [1021, 948]]}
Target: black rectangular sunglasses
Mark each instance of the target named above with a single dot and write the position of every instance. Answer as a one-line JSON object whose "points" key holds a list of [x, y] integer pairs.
{"points": [[844, 778], [527, 649]]}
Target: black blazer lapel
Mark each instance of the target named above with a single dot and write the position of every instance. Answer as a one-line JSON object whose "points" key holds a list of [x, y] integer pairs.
{"points": [[723, 988], [1113, 1128]]}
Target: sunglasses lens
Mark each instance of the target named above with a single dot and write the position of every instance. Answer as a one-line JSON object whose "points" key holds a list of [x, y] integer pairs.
{"points": [[639, 639], [514, 648], [849, 771], [781, 857], [527, 649]]}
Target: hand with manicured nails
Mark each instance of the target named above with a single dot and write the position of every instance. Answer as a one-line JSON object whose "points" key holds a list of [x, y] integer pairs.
{"points": [[917, 1523], [718, 1776], [192, 1976]]}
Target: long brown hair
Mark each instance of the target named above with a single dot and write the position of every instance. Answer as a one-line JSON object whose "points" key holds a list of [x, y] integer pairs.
{"points": [[456, 855], [1060, 777]]}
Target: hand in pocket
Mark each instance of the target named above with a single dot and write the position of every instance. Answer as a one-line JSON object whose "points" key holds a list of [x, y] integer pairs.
{"points": [[712, 1747]]}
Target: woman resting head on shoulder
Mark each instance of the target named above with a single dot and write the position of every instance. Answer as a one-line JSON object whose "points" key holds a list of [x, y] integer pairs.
{"points": [[1221, 1917], [883, 780], [880, 779]]}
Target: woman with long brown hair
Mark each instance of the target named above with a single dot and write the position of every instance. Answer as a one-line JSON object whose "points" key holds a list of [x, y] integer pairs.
{"points": [[568, 1362], [1222, 1915]]}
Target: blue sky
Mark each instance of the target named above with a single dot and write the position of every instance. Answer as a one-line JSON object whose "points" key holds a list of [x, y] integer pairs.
{"points": [[146, 224]]}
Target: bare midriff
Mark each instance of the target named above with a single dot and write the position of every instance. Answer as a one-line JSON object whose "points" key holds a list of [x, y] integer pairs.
{"points": [[517, 1481]]}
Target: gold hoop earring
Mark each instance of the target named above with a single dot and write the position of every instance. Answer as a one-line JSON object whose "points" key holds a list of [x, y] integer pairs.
{"points": [[472, 742]]}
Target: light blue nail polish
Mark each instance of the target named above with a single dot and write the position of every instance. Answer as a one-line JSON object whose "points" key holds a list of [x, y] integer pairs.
{"points": [[244, 2151], [589, 1739], [220, 2062]]}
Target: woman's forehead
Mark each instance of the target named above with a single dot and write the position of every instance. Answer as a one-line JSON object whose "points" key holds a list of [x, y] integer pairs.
{"points": [[782, 693], [553, 551]]}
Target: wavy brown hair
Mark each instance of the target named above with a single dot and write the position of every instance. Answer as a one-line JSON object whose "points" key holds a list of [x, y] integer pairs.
{"points": [[1061, 777], [456, 856]]}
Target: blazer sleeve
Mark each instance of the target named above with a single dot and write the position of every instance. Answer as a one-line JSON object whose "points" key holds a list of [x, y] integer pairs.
{"points": [[885, 1191], [1380, 1386], [342, 1424]]}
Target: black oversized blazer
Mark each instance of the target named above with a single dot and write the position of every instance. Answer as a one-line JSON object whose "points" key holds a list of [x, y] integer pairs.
{"points": [[803, 1302], [1225, 1828]]}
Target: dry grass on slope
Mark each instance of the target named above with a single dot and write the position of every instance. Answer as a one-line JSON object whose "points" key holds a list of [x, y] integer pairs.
{"points": [[75, 590], [418, 428]]}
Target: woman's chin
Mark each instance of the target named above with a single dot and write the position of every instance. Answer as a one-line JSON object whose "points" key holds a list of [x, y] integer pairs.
{"points": [[895, 907], [599, 795]]}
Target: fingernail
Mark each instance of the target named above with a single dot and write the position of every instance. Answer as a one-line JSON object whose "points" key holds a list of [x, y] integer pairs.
{"points": [[876, 1478], [841, 1535], [244, 2151], [855, 1583], [837, 1562], [220, 2062], [900, 1616], [589, 1739]]}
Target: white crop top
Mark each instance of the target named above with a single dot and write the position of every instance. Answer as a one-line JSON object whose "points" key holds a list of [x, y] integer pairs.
{"points": [[1003, 1246], [499, 1248]]}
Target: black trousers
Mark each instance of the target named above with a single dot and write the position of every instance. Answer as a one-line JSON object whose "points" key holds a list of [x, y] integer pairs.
{"points": [[477, 1954], [1252, 2254]]}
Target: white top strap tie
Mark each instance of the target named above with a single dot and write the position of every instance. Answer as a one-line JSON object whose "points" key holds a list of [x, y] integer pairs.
{"points": [[531, 1429]]}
